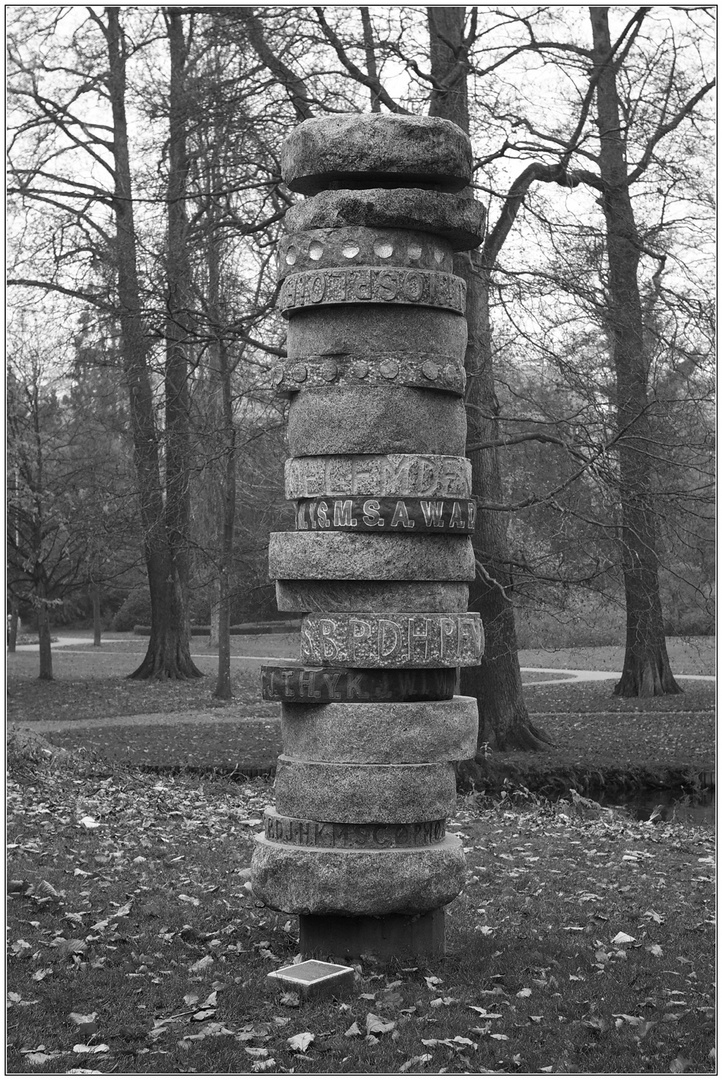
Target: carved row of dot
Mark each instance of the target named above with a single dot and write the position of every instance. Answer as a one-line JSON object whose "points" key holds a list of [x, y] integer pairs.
{"points": [[384, 249], [390, 369]]}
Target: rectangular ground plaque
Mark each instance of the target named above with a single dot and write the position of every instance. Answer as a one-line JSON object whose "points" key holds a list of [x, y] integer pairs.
{"points": [[313, 978]]}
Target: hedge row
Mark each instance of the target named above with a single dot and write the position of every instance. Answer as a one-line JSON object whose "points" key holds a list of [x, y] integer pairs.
{"points": [[277, 627]]}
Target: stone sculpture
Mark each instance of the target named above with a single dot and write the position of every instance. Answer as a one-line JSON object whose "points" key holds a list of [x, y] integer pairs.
{"points": [[380, 560]]}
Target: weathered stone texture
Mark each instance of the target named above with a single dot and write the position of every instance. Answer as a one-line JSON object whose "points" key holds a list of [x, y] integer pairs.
{"points": [[372, 285], [332, 881], [357, 246], [458, 220], [368, 332], [381, 733], [335, 791], [429, 371], [312, 685], [360, 557], [374, 148], [438, 516], [375, 419], [374, 836], [395, 639], [308, 596], [400, 476]]}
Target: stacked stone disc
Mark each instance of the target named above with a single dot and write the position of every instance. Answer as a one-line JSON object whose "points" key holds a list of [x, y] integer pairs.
{"points": [[381, 557]]}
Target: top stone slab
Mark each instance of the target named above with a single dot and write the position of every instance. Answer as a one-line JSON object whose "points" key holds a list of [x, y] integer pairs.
{"points": [[357, 150]]}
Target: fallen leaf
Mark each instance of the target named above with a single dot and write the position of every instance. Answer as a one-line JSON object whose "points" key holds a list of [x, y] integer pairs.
{"points": [[290, 999], [202, 964], [86, 1024], [420, 1060], [301, 1042], [622, 939], [353, 1030], [524, 993], [99, 1048], [377, 1025]]}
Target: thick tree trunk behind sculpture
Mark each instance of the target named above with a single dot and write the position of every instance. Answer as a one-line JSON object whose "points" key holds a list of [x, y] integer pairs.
{"points": [[496, 682], [646, 665]]}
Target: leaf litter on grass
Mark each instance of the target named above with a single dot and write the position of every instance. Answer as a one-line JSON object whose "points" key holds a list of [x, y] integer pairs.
{"points": [[179, 987]]}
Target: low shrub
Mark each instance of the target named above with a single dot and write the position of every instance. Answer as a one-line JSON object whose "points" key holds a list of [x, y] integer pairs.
{"points": [[134, 609]]}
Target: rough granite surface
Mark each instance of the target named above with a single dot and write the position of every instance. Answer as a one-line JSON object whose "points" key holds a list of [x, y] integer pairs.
{"points": [[394, 639], [376, 148], [388, 732], [458, 220], [375, 419], [364, 557], [330, 881], [308, 596], [335, 791], [369, 331]]}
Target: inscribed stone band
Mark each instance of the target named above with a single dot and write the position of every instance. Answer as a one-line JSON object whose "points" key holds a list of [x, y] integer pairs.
{"points": [[307, 596], [375, 419], [361, 557], [373, 285], [315, 685], [326, 834], [334, 791], [400, 476], [397, 639], [332, 881], [315, 249], [381, 733], [387, 515], [376, 148], [460, 221], [430, 372]]}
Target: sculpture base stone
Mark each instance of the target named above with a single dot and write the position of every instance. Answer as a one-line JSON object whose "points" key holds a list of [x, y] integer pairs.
{"points": [[405, 937]]}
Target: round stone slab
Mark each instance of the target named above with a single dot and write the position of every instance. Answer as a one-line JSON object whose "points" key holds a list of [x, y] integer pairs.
{"points": [[359, 557], [367, 149], [387, 515], [370, 332], [460, 221], [326, 834], [330, 881], [372, 285], [397, 639], [307, 596], [398, 476], [393, 794], [432, 371], [375, 419], [316, 249], [313, 685], [381, 733]]}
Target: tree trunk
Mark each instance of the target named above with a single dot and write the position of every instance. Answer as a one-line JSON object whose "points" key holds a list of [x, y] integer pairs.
{"points": [[13, 626], [504, 722], [46, 655], [168, 654], [496, 683], [646, 669], [215, 609], [97, 625]]}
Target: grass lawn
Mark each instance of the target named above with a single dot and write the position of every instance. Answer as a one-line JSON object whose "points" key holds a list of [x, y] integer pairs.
{"points": [[583, 942]]}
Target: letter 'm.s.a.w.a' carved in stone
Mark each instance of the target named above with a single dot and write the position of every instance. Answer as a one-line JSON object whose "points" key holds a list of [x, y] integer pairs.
{"points": [[364, 557], [396, 639], [399, 476], [320, 249], [337, 881], [308, 685], [326, 834], [381, 733], [373, 285], [361, 149], [458, 220], [377, 596], [387, 515], [372, 334], [375, 419], [424, 372], [336, 791]]}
